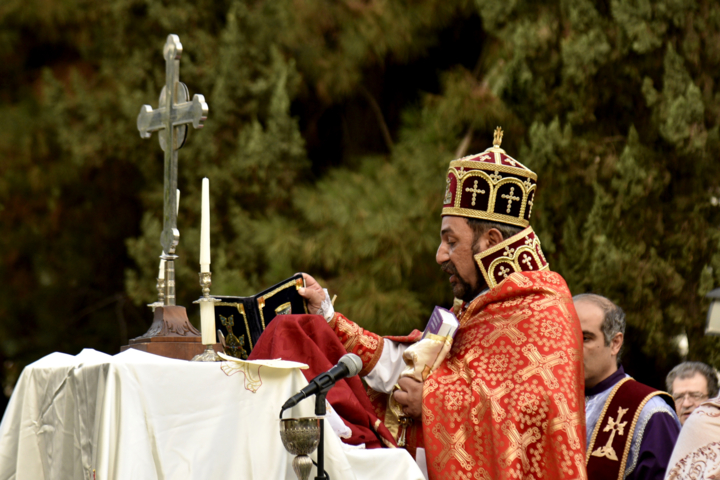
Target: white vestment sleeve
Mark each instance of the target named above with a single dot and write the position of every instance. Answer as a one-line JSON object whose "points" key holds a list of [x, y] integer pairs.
{"points": [[387, 371]]}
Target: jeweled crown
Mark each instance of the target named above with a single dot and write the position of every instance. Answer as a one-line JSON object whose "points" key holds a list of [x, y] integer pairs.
{"points": [[490, 186]]}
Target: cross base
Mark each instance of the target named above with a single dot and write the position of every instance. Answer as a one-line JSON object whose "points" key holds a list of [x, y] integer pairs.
{"points": [[171, 335]]}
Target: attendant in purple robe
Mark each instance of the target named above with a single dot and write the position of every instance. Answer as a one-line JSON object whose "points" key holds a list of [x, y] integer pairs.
{"points": [[631, 428]]}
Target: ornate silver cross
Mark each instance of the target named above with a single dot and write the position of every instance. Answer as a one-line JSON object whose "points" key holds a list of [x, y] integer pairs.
{"points": [[170, 120]]}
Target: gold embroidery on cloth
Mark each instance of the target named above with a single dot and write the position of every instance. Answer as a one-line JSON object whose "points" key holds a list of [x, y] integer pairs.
{"points": [[541, 365], [567, 421], [507, 327], [614, 426], [453, 446], [493, 397], [518, 444]]}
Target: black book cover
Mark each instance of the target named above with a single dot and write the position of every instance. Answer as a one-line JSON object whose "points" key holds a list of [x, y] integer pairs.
{"points": [[245, 318]]}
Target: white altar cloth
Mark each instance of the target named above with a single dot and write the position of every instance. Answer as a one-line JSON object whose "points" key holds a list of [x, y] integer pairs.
{"points": [[140, 416]]}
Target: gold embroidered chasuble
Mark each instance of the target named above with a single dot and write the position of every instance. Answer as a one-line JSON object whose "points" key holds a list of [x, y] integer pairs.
{"points": [[508, 402]]}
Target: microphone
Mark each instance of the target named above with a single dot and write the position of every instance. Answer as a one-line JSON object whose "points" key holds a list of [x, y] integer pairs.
{"points": [[348, 366]]}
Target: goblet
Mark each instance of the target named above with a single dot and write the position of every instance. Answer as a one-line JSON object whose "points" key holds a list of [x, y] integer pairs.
{"points": [[300, 436]]}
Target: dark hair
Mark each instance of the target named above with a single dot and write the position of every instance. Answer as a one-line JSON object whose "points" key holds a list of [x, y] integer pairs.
{"points": [[689, 369], [614, 317], [479, 227]]}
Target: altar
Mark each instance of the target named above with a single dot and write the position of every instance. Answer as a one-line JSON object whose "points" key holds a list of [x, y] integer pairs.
{"points": [[138, 416]]}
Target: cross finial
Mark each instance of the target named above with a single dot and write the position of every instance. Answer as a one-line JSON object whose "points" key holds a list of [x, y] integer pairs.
{"points": [[497, 137]]}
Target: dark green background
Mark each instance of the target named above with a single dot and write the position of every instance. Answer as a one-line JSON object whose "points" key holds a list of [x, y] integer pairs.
{"points": [[331, 126]]}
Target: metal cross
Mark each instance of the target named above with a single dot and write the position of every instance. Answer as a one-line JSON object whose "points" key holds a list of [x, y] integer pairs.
{"points": [[170, 120]]}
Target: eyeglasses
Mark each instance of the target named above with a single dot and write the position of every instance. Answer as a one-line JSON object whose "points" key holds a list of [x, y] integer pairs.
{"points": [[694, 396]]}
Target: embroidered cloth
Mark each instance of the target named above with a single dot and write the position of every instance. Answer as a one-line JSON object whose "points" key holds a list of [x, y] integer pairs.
{"points": [[697, 452]]}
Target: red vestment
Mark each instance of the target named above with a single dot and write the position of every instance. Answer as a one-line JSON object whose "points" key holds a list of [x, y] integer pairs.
{"points": [[508, 402]]}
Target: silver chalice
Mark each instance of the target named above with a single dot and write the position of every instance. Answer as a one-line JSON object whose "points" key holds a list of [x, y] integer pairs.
{"points": [[301, 437]]}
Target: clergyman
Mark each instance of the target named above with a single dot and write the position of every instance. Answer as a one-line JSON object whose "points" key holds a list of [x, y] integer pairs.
{"points": [[631, 427]]}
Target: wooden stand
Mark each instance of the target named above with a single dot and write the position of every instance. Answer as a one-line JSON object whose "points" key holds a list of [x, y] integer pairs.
{"points": [[171, 335]]}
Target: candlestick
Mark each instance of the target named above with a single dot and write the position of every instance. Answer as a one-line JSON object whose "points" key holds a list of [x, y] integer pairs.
{"points": [[160, 285], [205, 228], [207, 320]]}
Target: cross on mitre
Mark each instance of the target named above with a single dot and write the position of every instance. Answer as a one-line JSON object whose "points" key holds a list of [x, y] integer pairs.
{"points": [[497, 137]]}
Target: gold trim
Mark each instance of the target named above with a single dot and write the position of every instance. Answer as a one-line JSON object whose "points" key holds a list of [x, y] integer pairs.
{"points": [[241, 308], [493, 167], [632, 431], [488, 273], [596, 430], [261, 300], [483, 215]]}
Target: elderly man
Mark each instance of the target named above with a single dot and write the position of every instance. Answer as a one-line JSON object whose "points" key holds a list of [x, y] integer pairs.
{"points": [[691, 383], [506, 403], [631, 428]]}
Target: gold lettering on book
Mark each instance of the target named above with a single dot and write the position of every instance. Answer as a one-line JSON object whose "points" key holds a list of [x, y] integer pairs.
{"points": [[613, 426]]}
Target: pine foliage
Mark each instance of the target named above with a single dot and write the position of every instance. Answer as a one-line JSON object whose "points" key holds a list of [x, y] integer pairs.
{"points": [[331, 126]]}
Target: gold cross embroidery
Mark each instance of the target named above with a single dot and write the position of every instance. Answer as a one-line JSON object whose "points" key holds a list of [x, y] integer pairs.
{"points": [[551, 301], [493, 396], [542, 365], [460, 368], [566, 420], [507, 327], [504, 271], [510, 198], [496, 177], [453, 446], [518, 444], [613, 426], [475, 190], [508, 252], [511, 161], [526, 260]]}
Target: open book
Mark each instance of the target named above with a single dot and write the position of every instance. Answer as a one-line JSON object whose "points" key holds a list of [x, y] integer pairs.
{"points": [[241, 320]]}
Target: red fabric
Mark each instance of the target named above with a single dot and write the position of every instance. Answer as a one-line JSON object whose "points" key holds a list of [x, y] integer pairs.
{"points": [[508, 401], [309, 339]]}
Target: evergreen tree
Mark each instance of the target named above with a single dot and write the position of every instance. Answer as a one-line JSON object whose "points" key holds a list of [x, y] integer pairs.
{"points": [[331, 126]]}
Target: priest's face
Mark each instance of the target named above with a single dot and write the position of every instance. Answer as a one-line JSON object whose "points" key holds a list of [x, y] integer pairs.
{"points": [[455, 256], [600, 359]]}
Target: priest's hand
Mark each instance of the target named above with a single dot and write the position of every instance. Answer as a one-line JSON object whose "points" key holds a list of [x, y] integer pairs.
{"points": [[313, 293], [410, 396]]}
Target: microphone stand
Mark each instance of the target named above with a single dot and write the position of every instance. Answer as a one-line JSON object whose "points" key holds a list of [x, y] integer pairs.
{"points": [[320, 411]]}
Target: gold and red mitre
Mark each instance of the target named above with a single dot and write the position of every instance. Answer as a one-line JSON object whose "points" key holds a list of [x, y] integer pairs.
{"points": [[495, 187]]}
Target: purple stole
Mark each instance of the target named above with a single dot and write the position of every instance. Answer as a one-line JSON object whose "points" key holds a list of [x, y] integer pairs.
{"points": [[611, 436]]}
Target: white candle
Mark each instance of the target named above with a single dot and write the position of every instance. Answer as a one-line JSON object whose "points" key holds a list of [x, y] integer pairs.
{"points": [[161, 269], [207, 323], [205, 227]]}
